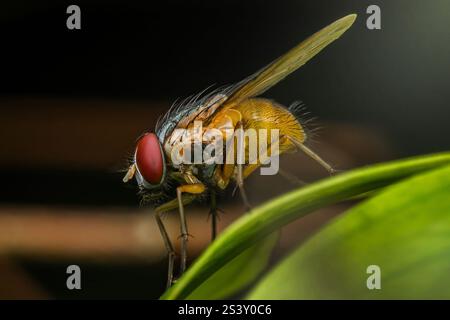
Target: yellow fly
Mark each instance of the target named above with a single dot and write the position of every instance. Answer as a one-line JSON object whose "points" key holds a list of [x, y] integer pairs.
{"points": [[168, 184]]}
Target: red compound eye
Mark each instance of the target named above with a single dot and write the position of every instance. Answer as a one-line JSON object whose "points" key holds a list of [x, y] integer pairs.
{"points": [[149, 159]]}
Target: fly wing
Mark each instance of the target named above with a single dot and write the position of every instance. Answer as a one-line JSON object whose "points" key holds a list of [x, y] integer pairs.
{"points": [[213, 104], [288, 63]]}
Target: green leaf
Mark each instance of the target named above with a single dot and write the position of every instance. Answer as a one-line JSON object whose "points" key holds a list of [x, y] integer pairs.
{"points": [[405, 230], [269, 217], [238, 273]]}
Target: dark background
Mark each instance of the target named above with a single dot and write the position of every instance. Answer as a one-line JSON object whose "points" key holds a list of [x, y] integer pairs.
{"points": [[72, 101]]}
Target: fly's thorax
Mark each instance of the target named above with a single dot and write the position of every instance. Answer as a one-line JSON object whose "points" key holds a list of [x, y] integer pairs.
{"points": [[177, 144], [193, 145]]}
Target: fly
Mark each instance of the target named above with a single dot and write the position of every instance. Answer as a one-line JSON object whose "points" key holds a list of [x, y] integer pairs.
{"points": [[169, 184]]}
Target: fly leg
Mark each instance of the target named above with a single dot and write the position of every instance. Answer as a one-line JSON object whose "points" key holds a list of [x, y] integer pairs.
{"points": [[234, 162], [312, 155], [169, 248], [240, 183], [195, 188], [213, 214], [240, 164], [291, 178]]}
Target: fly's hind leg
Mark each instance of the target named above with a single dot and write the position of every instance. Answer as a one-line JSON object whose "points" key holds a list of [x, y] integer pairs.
{"points": [[291, 178], [195, 188], [312, 155]]}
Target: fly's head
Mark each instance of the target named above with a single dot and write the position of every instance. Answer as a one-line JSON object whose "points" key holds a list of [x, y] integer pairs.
{"points": [[148, 167]]}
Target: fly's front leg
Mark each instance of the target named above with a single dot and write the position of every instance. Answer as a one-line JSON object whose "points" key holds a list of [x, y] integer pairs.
{"points": [[169, 248], [195, 188]]}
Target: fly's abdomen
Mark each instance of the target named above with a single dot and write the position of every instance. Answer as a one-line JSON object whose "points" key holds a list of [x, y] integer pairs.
{"points": [[265, 114]]}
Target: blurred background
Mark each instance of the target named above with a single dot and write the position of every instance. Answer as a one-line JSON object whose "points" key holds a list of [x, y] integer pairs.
{"points": [[74, 101]]}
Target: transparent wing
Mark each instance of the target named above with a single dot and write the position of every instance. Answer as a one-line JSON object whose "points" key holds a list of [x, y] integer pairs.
{"points": [[291, 61]]}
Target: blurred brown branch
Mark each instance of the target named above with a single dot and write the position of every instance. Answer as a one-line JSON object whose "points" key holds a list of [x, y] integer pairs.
{"points": [[91, 134], [118, 234]]}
